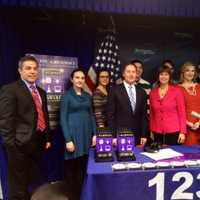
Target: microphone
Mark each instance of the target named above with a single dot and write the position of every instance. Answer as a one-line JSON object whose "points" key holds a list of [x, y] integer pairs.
{"points": [[195, 114]]}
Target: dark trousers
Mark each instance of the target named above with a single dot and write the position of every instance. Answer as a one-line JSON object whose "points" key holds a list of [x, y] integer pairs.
{"points": [[75, 174], [23, 167], [167, 138]]}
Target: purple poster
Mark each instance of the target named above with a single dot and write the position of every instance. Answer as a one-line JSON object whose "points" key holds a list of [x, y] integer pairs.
{"points": [[53, 76]]}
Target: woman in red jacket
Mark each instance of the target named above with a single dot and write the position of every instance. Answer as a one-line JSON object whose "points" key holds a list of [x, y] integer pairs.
{"points": [[167, 110], [191, 92]]}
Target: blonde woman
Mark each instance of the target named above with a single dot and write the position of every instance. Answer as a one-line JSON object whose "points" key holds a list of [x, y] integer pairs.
{"points": [[191, 92]]}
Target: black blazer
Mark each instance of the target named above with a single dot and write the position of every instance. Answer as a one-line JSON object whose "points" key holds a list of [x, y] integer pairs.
{"points": [[120, 114], [18, 114]]}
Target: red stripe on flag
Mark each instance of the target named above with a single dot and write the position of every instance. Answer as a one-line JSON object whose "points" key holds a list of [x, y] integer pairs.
{"points": [[90, 84]]}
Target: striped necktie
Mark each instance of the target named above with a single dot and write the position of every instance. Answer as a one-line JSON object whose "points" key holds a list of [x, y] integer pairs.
{"points": [[132, 98], [41, 125]]}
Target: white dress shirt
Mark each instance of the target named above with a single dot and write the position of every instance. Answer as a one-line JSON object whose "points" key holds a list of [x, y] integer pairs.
{"points": [[132, 88]]}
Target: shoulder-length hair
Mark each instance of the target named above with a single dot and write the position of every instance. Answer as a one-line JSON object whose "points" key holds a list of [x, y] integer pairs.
{"points": [[164, 68], [98, 75], [183, 69]]}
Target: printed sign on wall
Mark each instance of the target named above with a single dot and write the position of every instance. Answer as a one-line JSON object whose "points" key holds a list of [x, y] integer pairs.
{"points": [[54, 73]]}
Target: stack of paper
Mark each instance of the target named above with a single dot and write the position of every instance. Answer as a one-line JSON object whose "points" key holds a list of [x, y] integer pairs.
{"points": [[163, 154]]}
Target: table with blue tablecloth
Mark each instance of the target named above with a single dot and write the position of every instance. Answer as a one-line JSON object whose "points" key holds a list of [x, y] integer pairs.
{"points": [[153, 184]]}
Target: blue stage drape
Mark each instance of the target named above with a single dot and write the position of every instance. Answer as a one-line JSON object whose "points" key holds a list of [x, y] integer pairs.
{"points": [[18, 38], [186, 8], [10, 48]]}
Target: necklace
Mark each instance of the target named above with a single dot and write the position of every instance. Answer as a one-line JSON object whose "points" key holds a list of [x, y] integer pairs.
{"points": [[191, 90], [162, 92]]}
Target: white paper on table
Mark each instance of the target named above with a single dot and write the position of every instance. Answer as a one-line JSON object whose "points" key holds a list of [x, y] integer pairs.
{"points": [[163, 154]]}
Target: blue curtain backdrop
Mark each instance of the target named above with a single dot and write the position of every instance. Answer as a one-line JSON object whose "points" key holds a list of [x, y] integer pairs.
{"points": [[10, 48], [45, 31], [186, 8], [18, 37]]}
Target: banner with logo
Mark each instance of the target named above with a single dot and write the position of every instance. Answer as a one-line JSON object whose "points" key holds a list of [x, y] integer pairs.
{"points": [[54, 73]]}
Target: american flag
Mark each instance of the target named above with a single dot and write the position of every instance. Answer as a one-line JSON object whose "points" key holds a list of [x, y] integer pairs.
{"points": [[107, 57]]}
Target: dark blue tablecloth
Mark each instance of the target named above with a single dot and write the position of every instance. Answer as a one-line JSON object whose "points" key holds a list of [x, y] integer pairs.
{"points": [[102, 183]]}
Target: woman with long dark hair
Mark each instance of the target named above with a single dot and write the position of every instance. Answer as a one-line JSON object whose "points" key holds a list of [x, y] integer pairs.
{"points": [[100, 97], [78, 126]]}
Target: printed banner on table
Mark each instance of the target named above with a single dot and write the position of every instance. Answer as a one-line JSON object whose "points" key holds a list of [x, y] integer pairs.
{"points": [[54, 73]]}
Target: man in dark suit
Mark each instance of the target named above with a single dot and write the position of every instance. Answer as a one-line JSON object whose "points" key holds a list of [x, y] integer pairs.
{"points": [[24, 127], [127, 106]]}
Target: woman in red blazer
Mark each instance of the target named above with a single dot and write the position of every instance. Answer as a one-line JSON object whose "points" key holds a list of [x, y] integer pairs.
{"points": [[167, 110]]}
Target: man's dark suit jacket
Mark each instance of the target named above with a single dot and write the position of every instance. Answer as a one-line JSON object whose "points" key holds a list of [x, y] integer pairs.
{"points": [[120, 114], [18, 114]]}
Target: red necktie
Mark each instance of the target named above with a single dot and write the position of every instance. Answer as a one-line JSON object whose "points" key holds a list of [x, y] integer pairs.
{"points": [[41, 120]]}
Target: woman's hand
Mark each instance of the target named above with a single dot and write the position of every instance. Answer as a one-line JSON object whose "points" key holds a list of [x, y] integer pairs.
{"points": [[143, 141], [94, 140], [48, 145], [115, 142], [190, 124], [70, 147], [195, 126], [181, 138]]}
